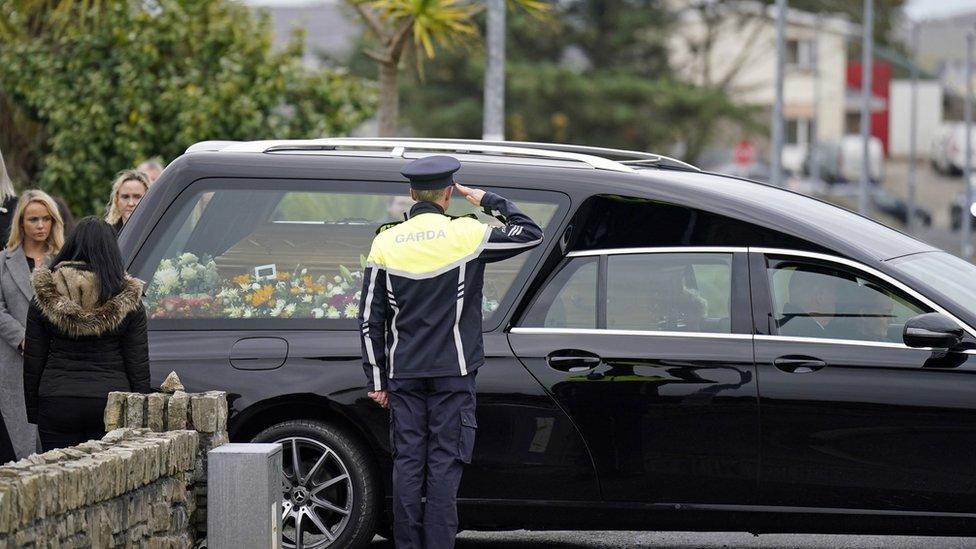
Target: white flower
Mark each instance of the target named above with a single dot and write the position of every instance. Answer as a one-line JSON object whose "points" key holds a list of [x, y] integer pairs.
{"points": [[188, 273], [317, 313], [247, 313], [358, 295], [234, 312], [307, 298], [352, 310], [332, 312], [255, 286], [277, 309], [304, 271], [166, 280], [337, 279], [290, 309], [227, 293], [188, 258]]}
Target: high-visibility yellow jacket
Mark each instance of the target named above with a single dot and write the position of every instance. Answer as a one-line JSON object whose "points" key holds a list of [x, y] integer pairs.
{"points": [[420, 308]]}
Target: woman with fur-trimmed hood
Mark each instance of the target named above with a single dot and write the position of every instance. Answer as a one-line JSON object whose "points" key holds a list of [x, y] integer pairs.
{"points": [[86, 336]]}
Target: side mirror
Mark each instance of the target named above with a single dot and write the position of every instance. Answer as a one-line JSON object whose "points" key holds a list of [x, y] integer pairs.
{"points": [[932, 330]]}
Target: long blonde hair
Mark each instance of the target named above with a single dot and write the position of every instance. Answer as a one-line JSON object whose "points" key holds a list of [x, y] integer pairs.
{"points": [[6, 185], [114, 215], [55, 239]]}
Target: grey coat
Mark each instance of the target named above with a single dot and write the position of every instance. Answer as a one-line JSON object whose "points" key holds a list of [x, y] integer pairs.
{"points": [[15, 296]]}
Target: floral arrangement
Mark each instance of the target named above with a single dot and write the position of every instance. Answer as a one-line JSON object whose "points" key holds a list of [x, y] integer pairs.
{"points": [[188, 286], [182, 287], [288, 295]]}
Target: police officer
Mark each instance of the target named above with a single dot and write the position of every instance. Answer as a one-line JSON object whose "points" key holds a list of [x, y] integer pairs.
{"points": [[420, 314]]}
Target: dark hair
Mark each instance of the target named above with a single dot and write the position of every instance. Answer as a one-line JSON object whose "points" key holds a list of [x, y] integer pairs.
{"points": [[93, 242]]}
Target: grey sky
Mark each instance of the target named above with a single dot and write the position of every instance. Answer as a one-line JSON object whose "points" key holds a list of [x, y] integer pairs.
{"points": [[925, 9]]}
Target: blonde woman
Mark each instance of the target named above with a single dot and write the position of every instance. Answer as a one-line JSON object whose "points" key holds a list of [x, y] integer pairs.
{"points": [[8, 201], [36, 235], [127, 190]]}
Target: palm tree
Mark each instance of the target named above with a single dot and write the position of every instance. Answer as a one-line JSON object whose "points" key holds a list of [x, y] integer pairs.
{"points": [[427, 23]]}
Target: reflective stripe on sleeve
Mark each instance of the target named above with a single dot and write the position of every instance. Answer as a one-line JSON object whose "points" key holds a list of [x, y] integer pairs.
{"points": [[457, 322], [396, 311], [370, 353]]}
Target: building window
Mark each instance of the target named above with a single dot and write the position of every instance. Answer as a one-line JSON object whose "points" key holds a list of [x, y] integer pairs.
{"points": [[799, 53], [798, 131]]}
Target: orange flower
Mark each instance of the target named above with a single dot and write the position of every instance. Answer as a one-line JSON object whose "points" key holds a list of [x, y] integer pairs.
{"points": [[307, 280], [282, 276], [260, 297], [242, 279], [295, 290]]}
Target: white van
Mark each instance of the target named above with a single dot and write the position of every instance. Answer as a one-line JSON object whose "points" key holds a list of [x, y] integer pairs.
{"points": [[840, 159]]}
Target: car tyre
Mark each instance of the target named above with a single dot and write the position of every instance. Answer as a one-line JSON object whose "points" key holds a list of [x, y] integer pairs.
{"points": [[336, 488]]}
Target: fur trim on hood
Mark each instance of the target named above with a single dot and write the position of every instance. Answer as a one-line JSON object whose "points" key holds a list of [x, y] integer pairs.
{"points": [[68, 298]]}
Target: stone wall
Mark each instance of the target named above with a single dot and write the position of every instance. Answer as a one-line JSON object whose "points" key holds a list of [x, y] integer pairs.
{"points": [[205, 413], [130, 488], [143, 484]]}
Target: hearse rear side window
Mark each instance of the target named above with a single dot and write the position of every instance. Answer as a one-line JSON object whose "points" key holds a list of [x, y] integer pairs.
{"points": [[270, 250]]}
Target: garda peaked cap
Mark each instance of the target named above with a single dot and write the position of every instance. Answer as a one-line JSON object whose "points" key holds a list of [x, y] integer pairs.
{"points": [[431, 172]]}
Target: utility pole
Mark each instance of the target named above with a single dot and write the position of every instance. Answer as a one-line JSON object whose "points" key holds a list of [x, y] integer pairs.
{"points": [[863, 205], [777, 152], [493, 126], [815, 130], [912, 131], [967, 217]]}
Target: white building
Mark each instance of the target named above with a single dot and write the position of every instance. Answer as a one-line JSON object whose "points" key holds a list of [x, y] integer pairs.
{"points": [[736, 50]]}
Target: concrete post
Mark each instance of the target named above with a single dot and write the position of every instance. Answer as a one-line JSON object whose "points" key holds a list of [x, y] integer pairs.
{"points": [[244, 499]]}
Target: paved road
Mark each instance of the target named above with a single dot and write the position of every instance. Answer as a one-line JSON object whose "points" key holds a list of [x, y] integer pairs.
{"points": [[934, 193], [689, 540]]}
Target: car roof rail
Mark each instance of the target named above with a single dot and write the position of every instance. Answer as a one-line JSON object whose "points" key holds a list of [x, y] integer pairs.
{"points": [[598, 158], [623, 156]]}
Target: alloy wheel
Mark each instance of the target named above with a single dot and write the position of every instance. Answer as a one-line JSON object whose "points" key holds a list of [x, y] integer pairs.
{"points": [[318, 495]]}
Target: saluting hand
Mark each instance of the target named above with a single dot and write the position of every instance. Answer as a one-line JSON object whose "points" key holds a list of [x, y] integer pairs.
{"points": [[380, 397], [473, 196]]}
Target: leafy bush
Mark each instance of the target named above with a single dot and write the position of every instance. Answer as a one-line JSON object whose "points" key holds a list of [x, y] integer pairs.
{"points": [[147, 79]]}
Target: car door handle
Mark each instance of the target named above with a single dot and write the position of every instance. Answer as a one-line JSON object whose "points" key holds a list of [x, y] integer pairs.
{"points": [[798, 364], [572, 360]]}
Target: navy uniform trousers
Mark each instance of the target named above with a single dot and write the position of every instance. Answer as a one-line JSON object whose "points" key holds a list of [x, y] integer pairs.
{"points": [[432, 431]]}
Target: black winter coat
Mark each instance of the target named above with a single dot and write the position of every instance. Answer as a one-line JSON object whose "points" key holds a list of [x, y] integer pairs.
{"points": [[76, 347]]}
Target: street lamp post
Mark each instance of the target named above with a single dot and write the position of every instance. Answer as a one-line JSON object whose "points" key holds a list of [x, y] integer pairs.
{"points": [[777, 137], [815, 120], [493, 128], [912, 131], [866, 58], [966, 217]]}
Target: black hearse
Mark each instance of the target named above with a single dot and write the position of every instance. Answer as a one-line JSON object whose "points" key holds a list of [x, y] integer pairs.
{"points": [[731, 355]]}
